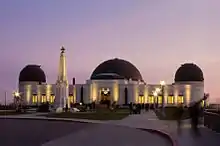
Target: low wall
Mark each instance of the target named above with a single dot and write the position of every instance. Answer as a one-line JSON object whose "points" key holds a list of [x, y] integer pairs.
{"points": [[212, 121]]}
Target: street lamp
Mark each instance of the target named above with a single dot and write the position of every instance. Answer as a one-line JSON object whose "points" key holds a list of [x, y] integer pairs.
{"points": [[16, 95], [158, 90], [162, 83], [155, 93]]}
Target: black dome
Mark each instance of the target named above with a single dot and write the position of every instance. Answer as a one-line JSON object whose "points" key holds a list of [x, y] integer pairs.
{"points": [[116, 69], [32, 73], [189, 72]]}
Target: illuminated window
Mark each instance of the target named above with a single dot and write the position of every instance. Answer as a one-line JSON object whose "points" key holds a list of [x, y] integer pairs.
{"points": [[51, 100], [170, 100], [160, 99], [151, 99], [43, 99], [141, 99], [34, 99], [180, 99], [71, 98]]}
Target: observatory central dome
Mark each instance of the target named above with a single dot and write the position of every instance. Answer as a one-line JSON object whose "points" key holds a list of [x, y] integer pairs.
{"points": [[116, 69]]}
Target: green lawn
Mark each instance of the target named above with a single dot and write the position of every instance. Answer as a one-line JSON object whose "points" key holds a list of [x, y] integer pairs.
{"points": [[98, 115], [10, 112], [170, 114]]}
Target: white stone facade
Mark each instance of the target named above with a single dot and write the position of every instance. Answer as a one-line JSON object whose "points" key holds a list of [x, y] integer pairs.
{"points": [[137, 92]]}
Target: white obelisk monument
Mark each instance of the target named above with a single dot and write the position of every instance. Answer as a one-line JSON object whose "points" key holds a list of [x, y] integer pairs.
{"points": [[62, 92]]}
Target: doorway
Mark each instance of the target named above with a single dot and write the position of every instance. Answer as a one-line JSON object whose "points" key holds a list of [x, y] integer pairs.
{"points": [[105, 96]]}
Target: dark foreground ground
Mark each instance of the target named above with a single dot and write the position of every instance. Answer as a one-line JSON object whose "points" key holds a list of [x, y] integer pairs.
{"points": [[16, 132]]}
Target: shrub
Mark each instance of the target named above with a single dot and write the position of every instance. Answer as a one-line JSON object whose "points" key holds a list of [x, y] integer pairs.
{"points": [[44, 107]]}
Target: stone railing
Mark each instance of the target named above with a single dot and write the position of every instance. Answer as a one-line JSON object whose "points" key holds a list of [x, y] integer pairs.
{"points": [[212, 121]]}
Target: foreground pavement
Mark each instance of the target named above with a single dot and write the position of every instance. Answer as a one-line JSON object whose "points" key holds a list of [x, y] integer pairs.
{"points": [[110, 135], [16, 130], [148, 120]]}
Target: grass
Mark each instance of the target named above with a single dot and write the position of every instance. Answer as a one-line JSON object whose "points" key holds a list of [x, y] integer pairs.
{"points": [[97, 115], [170, 114], [10, 112]]}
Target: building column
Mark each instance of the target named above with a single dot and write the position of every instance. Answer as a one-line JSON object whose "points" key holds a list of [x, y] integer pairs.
{"points": [[116, 92]]}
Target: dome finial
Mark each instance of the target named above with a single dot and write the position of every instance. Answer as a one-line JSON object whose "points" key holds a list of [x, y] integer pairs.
{"points": [[62, 49]]}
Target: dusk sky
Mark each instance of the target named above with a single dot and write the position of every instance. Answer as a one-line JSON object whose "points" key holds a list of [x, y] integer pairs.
{"points": [[157, 36]]}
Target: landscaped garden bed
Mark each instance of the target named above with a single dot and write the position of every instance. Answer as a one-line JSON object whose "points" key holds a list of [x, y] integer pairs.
{"points": [[104, 114]]}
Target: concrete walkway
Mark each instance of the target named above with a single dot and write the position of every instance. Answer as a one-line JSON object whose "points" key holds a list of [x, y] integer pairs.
{"points": [[110, 135], [148, 120], [104, 133]]}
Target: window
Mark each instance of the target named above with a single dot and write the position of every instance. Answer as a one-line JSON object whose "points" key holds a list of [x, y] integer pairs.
{"points": [[160, 99], [71, 98], [34, 99], [170, 100], [43, 98], [180, 99], [151, 99], [51, 100]]}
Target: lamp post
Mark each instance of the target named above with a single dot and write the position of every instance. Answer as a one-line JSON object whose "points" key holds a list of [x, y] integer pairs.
{"points": [[158, 90], [162, 83], [16, 95], [5, 98], [155, 93], [5, 101]]}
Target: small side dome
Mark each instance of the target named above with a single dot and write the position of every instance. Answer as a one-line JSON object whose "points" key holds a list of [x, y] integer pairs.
{"points": [[32, 73], [189, 72]]}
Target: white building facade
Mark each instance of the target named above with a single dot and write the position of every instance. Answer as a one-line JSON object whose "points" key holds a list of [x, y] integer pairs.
{"points": [[114, 80]]}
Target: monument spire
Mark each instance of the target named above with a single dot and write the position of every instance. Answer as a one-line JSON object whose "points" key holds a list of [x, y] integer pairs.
{"points": [[62, 92], [62, 76]]}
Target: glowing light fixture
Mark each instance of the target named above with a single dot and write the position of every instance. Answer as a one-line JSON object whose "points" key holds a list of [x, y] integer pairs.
{"points": [[155, 93], [157, 90], [162, 83], [105, 92], [16, 94]]}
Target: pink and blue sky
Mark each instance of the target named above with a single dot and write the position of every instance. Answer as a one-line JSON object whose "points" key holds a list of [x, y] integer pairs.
{"points": [[155, 35]]}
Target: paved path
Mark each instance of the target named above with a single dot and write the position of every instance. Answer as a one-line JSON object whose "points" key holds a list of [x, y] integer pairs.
{"points": [[18, 132], [99, 134], [110, 135], [149, 120]]}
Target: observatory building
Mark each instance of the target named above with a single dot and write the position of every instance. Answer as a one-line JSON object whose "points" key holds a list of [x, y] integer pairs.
{"points": [[115, 80]]}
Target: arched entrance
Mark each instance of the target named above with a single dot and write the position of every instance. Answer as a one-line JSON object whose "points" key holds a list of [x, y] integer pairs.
{"points": [[105, 96]]}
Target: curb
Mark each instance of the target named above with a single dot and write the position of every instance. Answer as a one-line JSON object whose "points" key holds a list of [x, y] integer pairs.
{"points": [[48, 119], [163, 134]]}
